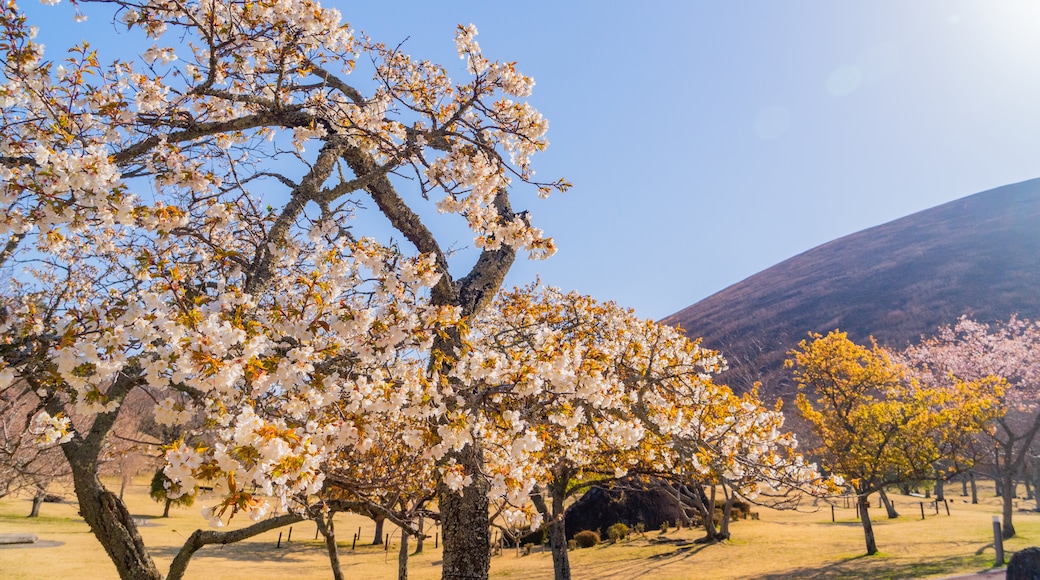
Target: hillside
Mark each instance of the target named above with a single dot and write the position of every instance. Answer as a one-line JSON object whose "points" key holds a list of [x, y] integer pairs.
{"points": [[977, 256]]}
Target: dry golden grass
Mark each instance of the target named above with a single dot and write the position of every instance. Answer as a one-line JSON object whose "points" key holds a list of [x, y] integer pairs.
{"points": [[801, 544]]}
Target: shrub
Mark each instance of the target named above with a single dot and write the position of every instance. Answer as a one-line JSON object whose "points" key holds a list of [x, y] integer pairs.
{"points": [[664, 527], [640, 528], [572, 545], [586, 538], [617, 532]]}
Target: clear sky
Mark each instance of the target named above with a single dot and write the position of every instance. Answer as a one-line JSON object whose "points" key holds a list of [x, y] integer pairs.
{"points": [[708, 140]]}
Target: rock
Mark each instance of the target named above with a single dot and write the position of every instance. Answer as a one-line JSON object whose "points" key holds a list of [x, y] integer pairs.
{"points": [[630, 504], [1024, 565], [18, 539]]}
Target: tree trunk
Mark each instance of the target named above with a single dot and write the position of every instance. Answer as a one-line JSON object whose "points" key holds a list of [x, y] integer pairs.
{"points": [[890, 508], [705, 506], [1036, 486], [974, 488], [419, 539], [329, 531], [1008, 531], [402, 557], [940, 491], [109, 520], [998, 475], [727, 512], [379, 519], [868, 530], [467, 536], [37, 502], [556, 525], [166, 508]]}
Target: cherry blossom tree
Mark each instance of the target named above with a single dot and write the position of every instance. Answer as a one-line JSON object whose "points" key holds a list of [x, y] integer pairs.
{"points": [[874, 425], [1008, 351], [577, 391], [192, 223], [26, 467]]}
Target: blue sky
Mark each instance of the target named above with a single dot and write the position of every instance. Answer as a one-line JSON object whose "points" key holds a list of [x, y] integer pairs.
{"points": [[709, 140]]}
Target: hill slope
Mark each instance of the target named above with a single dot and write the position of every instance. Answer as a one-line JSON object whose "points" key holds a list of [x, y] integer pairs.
{"points": [[977, 256]]}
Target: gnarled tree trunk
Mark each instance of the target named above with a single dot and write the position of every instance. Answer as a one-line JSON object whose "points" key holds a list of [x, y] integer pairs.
{"points": [[110, 521]]}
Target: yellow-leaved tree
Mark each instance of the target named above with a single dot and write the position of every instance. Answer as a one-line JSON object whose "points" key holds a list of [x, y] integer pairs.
{"points": [[874, 426]]}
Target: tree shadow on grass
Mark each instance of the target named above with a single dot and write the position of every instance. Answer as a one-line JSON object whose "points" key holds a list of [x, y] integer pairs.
{"points": [[877, 567], [295, 551], [639, 568]]}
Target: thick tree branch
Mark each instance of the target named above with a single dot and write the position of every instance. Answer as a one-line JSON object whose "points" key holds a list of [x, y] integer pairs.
{"points": [[201, 538], [263, 268], [285, 118], [397, 211]]}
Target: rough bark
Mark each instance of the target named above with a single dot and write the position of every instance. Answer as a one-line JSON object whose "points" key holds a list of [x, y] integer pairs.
{"points": [[868, 529], [940, 491], [110, 522], [467, 537], [974, 488], [105, 514], [402, 557]]}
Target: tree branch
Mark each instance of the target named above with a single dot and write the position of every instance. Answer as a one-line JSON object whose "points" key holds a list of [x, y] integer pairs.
{"points": [[201, 538]]}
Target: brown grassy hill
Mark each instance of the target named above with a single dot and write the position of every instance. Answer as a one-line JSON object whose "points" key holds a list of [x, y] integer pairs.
{"points": [[979, 256]]}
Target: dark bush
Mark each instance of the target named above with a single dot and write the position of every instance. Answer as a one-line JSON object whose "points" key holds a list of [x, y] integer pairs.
{"points": [[586, 538]]}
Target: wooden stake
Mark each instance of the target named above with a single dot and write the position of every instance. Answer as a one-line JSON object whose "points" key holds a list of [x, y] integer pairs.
{"points": [[998, 541]]}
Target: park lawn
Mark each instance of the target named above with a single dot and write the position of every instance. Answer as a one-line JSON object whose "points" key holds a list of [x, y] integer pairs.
{"points": [[789, 544]]}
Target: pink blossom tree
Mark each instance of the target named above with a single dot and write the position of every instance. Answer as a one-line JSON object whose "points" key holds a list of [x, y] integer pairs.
{"points": [[969, 351]]}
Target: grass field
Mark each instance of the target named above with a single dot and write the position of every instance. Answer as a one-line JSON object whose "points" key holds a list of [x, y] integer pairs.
{"points": [[803, 544]]}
